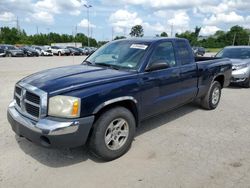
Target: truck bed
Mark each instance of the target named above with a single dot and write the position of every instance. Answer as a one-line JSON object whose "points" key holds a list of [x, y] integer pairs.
{"points": [[199, 59]]}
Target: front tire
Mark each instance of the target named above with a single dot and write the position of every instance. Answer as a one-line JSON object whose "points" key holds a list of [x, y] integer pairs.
{"points": [[247, 83], [112, 134], [211, 100]]}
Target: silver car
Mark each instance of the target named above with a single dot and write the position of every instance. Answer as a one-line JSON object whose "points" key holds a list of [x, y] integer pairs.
{"points": [[240, 57]]}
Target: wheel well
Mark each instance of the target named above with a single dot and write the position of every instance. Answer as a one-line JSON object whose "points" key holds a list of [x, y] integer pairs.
{"points": [[129, 104], [220, 79]]}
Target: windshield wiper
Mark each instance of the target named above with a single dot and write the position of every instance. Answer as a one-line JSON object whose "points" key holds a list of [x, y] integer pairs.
{"points": [[108, 65]]}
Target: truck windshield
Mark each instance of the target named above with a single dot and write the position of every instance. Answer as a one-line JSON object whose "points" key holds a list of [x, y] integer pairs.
{"points": [[235, 53], [119, 55]]}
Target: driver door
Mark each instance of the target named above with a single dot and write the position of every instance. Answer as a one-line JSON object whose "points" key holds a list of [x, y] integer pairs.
{"points": [[161, 88]]}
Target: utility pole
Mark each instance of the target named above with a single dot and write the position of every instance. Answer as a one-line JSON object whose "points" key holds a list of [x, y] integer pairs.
{"points": [[88, 7], [36, 29], [17, 24], [172, 28], [112, 33], [234, 39]]}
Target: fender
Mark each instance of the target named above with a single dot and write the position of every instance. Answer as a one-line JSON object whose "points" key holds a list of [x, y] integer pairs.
{"points": [[111, 101]]}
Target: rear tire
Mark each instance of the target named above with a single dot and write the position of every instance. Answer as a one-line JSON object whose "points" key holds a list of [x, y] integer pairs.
{"points": [[59, 53], [211, 100], [113, 133]]}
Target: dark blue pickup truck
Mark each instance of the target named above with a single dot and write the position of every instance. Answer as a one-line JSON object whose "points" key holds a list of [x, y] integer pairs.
{"points": [[102, 101]]}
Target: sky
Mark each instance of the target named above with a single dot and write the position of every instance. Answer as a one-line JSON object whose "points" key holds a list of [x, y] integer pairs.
{"points": [[116, 17]]}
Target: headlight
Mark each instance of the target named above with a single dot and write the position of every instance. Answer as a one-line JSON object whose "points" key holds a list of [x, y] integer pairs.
{"points": [[64, 106], [238, 67]]}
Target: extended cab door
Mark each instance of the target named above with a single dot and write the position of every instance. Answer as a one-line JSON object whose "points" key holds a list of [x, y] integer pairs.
{"points": [[160, 88], [189, 72]]}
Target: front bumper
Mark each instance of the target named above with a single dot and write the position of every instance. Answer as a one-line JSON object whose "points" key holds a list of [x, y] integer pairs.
{"points": [[240, 76], [51, 132]]}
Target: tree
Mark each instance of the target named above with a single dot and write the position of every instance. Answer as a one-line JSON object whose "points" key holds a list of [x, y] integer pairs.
{"points": [[137, 31], [164, 34], [197, 32], [119, 37]]}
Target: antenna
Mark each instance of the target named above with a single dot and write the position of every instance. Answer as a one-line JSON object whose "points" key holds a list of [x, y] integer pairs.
{"points": [[234, 39]]}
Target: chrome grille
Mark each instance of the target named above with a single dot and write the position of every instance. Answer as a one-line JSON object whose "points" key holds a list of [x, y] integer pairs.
{"points": [[30, 101]]}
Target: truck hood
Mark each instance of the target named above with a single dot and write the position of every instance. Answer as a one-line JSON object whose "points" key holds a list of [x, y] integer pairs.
{"points": [[63, 79]]}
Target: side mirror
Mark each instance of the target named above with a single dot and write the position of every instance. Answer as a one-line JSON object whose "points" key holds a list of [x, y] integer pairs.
{"points": [[157, 65]]}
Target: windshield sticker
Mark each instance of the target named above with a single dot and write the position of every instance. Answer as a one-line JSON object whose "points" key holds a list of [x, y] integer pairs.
{"points": [[139, 46]]}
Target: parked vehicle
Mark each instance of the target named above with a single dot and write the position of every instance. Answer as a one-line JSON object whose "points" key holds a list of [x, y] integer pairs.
{"points": [[43, 51], [29, 52], [56, 50], [86, 51], [2, 53], [67, 51], [199, 51], [79, 50], [104, 99], [240, 57], [73, 51], [12, 51]]}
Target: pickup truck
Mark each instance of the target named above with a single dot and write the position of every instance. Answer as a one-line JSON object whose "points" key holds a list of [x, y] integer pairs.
{"points": [[102, 101]]}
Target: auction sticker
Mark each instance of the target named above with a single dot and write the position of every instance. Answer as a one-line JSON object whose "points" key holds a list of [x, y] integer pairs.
{"points": [[139, 46]]}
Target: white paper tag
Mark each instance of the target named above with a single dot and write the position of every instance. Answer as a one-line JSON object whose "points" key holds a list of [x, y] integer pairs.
{"points": [[139, 46]]}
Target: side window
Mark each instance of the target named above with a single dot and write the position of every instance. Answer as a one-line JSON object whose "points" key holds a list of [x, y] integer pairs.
{"points": [[164, 52], [183, 53]]}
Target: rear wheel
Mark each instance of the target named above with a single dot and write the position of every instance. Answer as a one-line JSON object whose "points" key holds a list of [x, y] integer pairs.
{"points": [[112, 134], [59, 53], [212, 98]]}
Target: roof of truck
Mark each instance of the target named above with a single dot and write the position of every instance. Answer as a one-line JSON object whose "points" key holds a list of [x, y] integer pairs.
{"points": [[151, 39], [237, 47]]}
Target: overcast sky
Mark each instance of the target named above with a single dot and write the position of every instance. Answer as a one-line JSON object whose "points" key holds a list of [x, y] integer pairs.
{"points": [[156, 16]]}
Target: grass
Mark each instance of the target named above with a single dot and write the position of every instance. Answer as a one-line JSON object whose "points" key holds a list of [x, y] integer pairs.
{"points": [[215, 50]]}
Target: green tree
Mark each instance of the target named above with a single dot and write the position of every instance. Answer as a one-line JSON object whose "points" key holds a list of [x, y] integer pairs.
{"points": [[164, 34], [119, 37], [137, 31]]}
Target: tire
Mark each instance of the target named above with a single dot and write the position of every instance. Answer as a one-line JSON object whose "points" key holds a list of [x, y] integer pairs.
{"points": [[247, 83], [102, 141], [59, 53], [211, 100]]}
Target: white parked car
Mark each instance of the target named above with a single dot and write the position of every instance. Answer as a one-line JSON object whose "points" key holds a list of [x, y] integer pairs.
{"points": [[43, 51], [56, 50]]}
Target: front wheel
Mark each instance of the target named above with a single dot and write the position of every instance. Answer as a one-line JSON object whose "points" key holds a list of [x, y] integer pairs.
{"points": [[247, 83], [112, 134], [211, 100]]}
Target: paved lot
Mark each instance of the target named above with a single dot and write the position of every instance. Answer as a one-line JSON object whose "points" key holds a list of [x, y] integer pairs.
{"points": [[188, 147]]}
